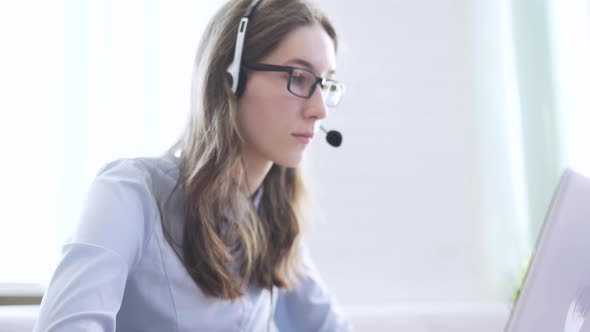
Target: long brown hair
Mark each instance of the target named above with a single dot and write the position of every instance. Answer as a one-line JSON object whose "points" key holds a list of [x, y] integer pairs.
{"points": [[226, 242]]}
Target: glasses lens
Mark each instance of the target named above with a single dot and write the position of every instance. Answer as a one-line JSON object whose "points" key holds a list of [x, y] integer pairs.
{"points": [[301, 83], [332, 93]]}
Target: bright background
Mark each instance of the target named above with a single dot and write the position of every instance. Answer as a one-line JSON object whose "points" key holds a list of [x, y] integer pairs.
{"points": [[459, 117]]}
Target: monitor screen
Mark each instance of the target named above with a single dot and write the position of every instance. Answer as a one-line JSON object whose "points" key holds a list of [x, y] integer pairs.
{"points": [[555, 295]]}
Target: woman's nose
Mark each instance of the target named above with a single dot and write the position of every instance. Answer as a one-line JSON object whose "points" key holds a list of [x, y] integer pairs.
{"points": [[315, 107]]}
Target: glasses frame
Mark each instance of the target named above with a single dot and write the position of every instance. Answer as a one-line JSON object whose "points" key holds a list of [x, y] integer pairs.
{"points": [[290, 69]]}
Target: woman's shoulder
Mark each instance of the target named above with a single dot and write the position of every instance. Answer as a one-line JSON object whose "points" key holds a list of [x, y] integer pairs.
{"points": [[125, 196], [156, 173], [147, 168], [153, 179]]}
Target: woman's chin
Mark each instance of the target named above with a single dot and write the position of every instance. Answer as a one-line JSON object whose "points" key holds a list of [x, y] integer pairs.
{"points": [[290, 161]]}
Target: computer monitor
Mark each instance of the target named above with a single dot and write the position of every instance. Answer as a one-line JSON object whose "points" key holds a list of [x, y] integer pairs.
{"points": [[555, 295]]}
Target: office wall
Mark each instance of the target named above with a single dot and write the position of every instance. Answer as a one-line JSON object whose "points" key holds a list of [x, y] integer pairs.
{"points": [[410, 200]]}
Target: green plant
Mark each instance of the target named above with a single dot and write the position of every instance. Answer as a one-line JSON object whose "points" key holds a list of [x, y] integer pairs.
{"points": [[520, 279]]}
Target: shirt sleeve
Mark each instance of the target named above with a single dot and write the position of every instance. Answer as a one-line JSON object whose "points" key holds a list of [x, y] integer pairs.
{"points": [[310, 306], [87, 287]]}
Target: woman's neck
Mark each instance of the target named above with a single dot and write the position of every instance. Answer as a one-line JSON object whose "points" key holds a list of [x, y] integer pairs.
{"points": [[255, 169]]}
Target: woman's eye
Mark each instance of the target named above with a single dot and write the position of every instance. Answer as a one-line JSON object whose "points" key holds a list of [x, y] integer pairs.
{"points": [[298, 78]]}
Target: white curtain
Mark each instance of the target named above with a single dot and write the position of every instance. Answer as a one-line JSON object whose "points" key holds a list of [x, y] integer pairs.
{"points": [[538, 119], [503, 193], [31, 67], [570, 34], [84, 82], [534, 63]]}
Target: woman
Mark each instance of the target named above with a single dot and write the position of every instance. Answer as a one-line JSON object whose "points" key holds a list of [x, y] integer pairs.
{"points": [[209, 239]]}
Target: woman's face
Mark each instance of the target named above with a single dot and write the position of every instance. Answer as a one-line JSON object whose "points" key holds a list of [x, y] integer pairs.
{"points": [[275, 123]]}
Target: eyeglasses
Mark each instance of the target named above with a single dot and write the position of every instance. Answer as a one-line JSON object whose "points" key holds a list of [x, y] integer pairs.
{"points": [[303, 82]]}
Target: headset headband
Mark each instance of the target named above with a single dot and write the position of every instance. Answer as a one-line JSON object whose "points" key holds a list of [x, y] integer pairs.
{"points": [[233, 71]]}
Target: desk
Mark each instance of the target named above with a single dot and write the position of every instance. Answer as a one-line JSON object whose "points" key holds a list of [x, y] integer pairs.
{"points": [[460, 317], [406, 318]]}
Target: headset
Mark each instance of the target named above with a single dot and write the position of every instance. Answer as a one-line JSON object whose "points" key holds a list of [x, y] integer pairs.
{"points": [[236, 76]]}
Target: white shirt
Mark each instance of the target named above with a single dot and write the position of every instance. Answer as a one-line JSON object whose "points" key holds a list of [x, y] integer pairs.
{"points": [[119, 273]]}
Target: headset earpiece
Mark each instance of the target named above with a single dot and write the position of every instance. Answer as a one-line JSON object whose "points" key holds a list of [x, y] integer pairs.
{"points": [[230, 79]]}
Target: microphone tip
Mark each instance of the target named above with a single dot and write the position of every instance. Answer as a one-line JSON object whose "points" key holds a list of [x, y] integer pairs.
{"points": [[334, 138]]}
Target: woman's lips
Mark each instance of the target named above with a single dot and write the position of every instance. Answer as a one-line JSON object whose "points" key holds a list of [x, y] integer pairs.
{"points": [[303, 137]]}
